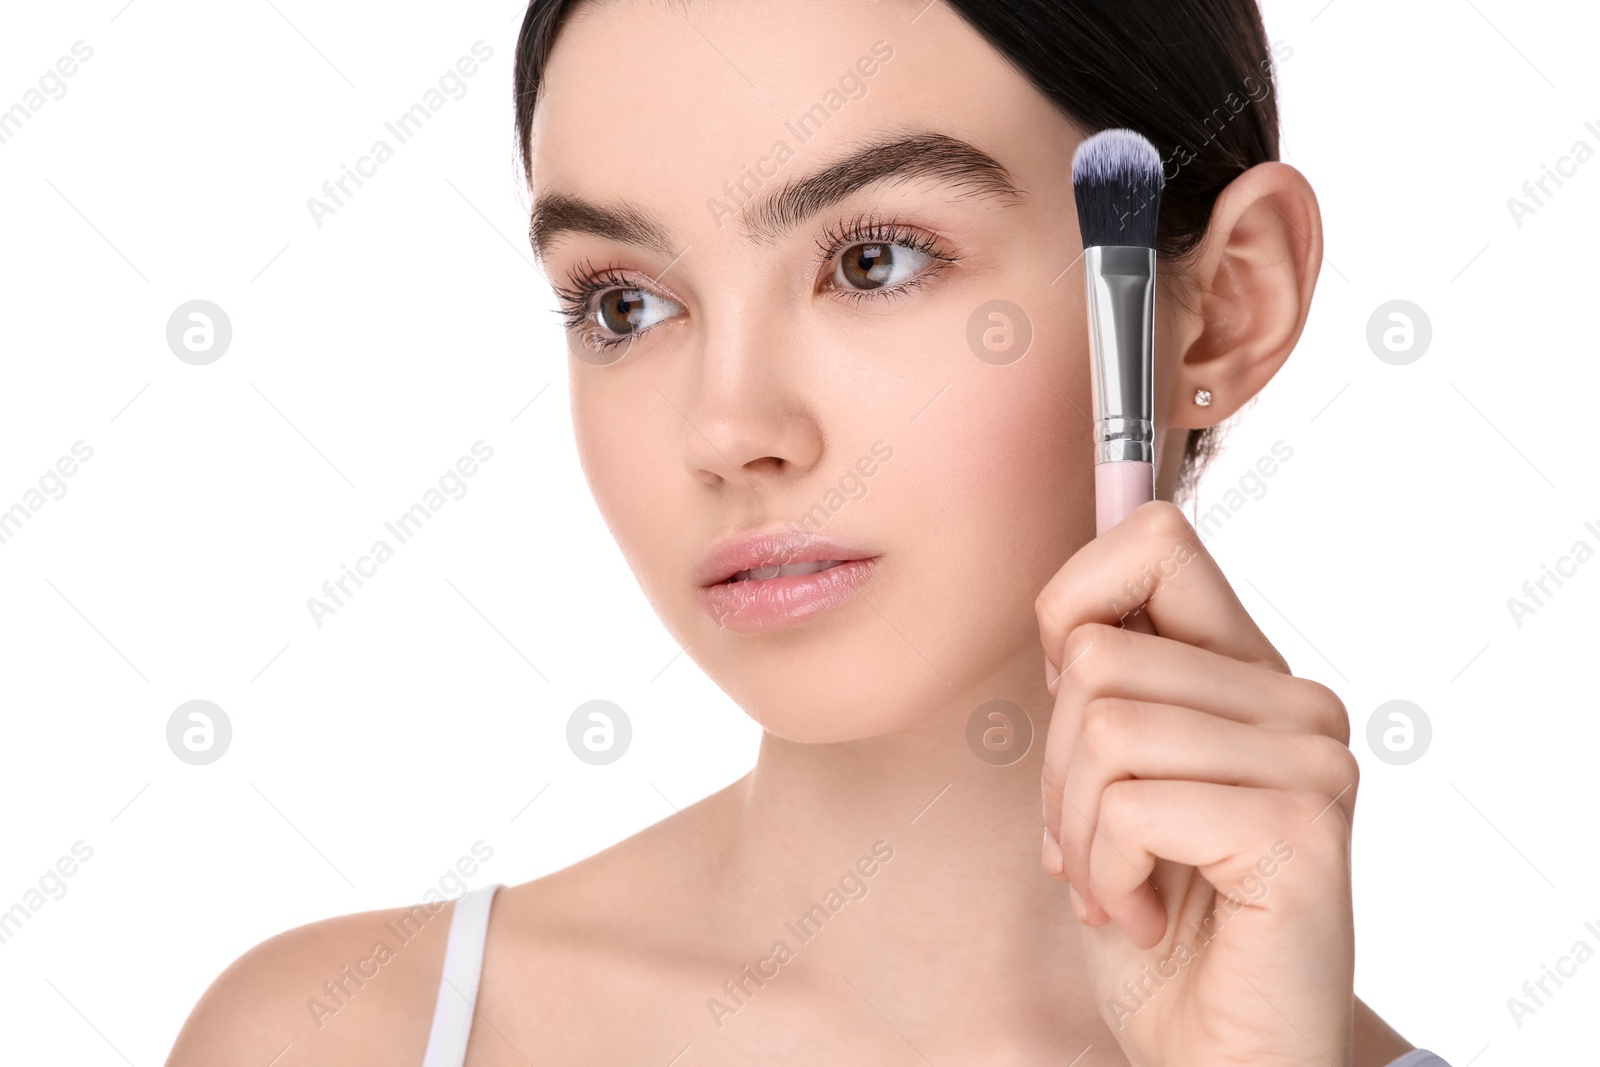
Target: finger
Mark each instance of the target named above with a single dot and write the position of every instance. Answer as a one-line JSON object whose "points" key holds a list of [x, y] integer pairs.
{"points": [[1124, 739], [1228, 834], [1105, 661], [1153, 555]]}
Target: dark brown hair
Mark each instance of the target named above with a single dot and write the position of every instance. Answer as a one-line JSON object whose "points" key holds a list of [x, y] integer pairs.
{"points": [[1194, 76]]}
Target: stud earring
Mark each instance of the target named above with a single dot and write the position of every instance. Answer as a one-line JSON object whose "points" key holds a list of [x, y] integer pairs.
{"points": [[1202, 397]]}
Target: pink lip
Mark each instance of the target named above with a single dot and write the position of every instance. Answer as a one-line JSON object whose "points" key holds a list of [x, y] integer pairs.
{"points": [[759, 605]]}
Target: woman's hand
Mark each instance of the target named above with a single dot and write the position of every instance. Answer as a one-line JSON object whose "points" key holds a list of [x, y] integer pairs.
{"points": [[1202, 797]]}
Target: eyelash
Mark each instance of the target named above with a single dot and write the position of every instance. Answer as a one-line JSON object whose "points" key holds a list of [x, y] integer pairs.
{"points": [[578, 296], [870, 229], [587, 282]]}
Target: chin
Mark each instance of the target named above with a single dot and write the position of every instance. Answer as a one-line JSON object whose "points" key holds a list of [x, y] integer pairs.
{"points": [[830, 683], [828, 713], [840, 676]]}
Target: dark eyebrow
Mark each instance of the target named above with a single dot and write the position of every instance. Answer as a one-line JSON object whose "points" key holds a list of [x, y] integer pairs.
{"points": [[900, 158]]}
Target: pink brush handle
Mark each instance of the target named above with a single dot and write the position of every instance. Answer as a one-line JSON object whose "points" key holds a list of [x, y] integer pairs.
{"points": [[1119, 487]]}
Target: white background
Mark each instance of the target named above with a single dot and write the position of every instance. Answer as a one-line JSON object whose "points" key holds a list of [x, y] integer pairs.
{"points": [[368, 354]]}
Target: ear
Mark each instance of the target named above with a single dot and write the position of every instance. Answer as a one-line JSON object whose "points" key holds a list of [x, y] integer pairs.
{"points": [[1250, 288]]}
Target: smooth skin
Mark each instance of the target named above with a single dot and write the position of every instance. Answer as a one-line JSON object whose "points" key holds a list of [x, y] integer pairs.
{"points": [[1171, 764]]}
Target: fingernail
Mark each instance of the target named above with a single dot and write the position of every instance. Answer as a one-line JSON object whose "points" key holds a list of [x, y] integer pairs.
{"points": [[1077, 903], [1053, 860]]}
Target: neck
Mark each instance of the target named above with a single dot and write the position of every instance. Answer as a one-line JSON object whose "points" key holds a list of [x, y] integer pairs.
{"points": [[956, 899]]}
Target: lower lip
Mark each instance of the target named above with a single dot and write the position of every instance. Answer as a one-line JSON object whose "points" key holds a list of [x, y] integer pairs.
{"points": [[761, 605]]}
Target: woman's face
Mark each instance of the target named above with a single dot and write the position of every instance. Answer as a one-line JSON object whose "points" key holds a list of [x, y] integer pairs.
{"points": [[895, 361]]}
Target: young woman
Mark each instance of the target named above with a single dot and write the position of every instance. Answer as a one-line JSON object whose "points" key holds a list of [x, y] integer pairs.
{"points": [[806, 247]]}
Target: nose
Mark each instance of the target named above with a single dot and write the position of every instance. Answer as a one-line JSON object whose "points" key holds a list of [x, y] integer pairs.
{"points": [[747, 413]]}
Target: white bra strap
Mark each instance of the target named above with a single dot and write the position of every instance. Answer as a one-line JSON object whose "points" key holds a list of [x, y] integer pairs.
{"points": [[458, 981]]}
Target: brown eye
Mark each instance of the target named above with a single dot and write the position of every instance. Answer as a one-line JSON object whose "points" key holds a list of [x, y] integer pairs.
{"points": [[880, 263], [627, 311]]}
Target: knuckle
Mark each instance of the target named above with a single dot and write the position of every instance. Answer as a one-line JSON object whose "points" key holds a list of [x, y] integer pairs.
{"points": [[1349, 767], [1042, 603], [1050, 603], [1049, 624], [1328, 713], [1161, 519], [1092, 672], [1108, 726], [1097, 734], [1332, 761], [1117, 810]]}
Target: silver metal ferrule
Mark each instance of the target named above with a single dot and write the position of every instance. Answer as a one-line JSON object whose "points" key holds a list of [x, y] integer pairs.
{"points": [[1121, 282]]}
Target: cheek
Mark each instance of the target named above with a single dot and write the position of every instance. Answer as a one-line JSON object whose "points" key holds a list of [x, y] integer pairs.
{"points": [[994, 492], [628, 463], [1025, 494], [1010, 461], [601, 444]]}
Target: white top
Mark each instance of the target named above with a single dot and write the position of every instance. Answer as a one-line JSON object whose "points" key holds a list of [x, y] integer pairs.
{"points": [[463, 963], [1419, 1057], [458, 981]]}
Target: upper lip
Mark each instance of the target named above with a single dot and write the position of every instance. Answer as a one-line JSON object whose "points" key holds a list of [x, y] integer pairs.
{"points": [[771, 547]]}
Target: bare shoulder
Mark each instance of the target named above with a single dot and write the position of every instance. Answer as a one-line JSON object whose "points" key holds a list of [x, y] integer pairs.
{"points": [[360, 989], [636, 924], [1377, 1044], [354, 989]]}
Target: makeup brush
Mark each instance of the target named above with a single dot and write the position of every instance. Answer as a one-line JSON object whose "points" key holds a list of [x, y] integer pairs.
{"points": [[1117, 182]]}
